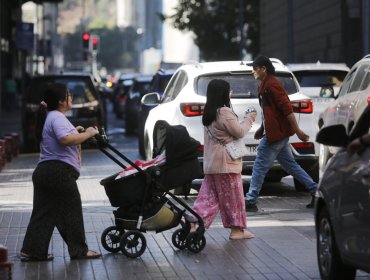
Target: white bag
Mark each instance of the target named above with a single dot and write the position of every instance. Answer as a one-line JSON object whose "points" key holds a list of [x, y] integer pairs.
{"points": [[236, 148]]}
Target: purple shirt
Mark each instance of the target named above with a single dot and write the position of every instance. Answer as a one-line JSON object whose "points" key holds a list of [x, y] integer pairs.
{"points": [[57, 126]]}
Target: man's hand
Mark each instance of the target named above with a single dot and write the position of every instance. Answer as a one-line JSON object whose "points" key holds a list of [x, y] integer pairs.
{"points": [[302, 136]]}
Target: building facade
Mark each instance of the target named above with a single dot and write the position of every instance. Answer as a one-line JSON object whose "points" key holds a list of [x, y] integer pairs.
{"points": [[312, 30]]}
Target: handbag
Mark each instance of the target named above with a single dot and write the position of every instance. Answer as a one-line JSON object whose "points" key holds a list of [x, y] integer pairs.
{"points": [[236, 148]]}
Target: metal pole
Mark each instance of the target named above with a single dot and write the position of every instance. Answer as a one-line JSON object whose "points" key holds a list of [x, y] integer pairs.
{"points": [[1, 51], [241, 28], [290, 32], [365, 26]]}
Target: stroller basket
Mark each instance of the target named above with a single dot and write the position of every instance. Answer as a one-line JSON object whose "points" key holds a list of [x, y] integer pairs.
{"points": [[126, 191]]}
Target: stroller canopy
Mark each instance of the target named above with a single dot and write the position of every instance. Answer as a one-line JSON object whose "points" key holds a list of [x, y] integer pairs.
{"points": [[176, 141]]}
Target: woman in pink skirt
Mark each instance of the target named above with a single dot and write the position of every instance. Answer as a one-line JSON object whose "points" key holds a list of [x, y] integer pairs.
{"points": [[222, 188]]}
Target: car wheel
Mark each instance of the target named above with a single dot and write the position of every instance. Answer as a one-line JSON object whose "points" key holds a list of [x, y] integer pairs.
{"points": [[140, 138], [330, 263], [130, 127], [148, 150], [323, 156]]}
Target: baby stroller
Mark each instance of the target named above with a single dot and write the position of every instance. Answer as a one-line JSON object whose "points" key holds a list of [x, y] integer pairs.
{"points": [[144, 200]]}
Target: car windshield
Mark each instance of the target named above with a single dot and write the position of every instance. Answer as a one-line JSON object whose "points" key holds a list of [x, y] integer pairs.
{"points": [[81, 89], [243, 85], [320, 78]]}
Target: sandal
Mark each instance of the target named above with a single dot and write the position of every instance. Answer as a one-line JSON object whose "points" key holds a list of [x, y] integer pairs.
{"points": [[27, 258], [89, 255], [242, 235]]}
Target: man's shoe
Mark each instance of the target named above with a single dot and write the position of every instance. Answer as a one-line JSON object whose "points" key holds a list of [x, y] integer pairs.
{"points": [[312, 202], [250, 207]]}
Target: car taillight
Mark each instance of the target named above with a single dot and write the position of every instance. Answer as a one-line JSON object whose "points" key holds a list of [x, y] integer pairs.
{"points": [[368, 100], [302, 106], [192, 109], [122, 98], [304, 147], [200, 148]]}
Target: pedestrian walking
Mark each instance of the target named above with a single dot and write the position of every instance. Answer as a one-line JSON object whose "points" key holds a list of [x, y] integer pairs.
{"points": [[279, 123], [222, 188], [57, 201]]}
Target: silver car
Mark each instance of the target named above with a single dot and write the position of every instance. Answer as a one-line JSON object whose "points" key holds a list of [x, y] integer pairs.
{"points": [[342, 208]]}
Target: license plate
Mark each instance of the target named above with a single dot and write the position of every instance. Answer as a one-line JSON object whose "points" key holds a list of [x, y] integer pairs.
{"points": [[252, 150]]}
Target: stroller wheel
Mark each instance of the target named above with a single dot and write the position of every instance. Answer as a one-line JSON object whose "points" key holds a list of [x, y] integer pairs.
{"points": [[133, 244], [179, 238], [195, 242], [110, 239]]}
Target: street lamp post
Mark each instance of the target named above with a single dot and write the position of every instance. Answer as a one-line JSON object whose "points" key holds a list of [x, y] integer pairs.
{"points": [[241, 28]]}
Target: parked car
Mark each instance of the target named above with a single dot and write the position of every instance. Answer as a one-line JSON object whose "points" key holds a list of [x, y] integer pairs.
{"points": [[140, 86], [158, 85], [317, 80], [185, 96], [87, 109], [352, 99], [120, 92], [342, 207]]}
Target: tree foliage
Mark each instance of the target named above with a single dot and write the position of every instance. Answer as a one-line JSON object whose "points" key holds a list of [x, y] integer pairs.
{"points": [[216, 26]]}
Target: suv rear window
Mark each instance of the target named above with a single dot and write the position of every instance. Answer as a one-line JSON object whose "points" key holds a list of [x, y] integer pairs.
{"points": [[244, 85], [320, 78], [81, 88]]}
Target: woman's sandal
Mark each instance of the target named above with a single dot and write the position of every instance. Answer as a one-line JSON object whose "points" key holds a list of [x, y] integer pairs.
{"points": [[89, 255], [242, 235], [27, 258]]}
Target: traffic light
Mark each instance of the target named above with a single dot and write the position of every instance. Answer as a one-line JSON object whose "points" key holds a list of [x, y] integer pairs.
{"points": [[95, 43], [86, 41]]}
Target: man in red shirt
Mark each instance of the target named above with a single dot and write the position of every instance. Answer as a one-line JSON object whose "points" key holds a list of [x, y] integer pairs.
{"points": [[279, 123]]}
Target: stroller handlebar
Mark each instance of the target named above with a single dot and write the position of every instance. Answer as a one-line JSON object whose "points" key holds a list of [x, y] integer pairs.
{"points": [[100, 139]]}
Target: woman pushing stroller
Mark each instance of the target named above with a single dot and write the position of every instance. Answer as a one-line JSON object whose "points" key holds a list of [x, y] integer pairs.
{"points": [[222, 188]]}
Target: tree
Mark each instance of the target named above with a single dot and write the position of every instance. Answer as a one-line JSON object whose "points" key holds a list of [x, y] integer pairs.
{"points": [[216, 26]]}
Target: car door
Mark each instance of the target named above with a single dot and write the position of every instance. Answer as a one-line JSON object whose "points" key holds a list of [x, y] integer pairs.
{"points": [[353, 209], [351, 198], [346, 107]]}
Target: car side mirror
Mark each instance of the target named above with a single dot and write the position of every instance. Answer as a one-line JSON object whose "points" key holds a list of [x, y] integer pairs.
{"points": [[152, 98], [334, 135], [327, 92]]}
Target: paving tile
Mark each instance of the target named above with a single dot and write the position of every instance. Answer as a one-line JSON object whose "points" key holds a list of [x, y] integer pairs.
{"points": [[284, 246]]}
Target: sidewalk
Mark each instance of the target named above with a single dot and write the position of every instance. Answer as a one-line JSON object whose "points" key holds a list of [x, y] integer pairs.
{"points": [[284, 246]]}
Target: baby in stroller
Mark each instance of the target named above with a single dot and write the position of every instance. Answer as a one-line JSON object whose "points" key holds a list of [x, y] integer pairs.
{"points": [[142, 194]]}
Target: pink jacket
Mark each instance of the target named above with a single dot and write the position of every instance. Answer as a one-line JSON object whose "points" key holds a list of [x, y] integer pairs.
{"points": [[226, 128]]}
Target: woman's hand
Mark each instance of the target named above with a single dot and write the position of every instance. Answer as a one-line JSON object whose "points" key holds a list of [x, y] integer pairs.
{"points": [[92, 131], [252, 116], [76, 139], [80, 129]]}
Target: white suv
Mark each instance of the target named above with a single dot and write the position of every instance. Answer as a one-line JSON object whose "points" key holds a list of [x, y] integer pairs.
{"points": [[352, 99], [184, 98], [316, 78]]}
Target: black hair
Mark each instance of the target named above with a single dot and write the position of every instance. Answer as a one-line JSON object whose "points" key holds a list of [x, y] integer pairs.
{"points": [[52, 95], [218, 95], [261, 61]]}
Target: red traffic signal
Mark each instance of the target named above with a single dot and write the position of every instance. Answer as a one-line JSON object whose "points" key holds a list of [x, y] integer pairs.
{"points": [[85, 40], [95, 42]]}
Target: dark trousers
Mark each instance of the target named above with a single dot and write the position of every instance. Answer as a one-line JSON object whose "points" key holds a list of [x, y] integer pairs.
{"points": [[56, 203]]}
